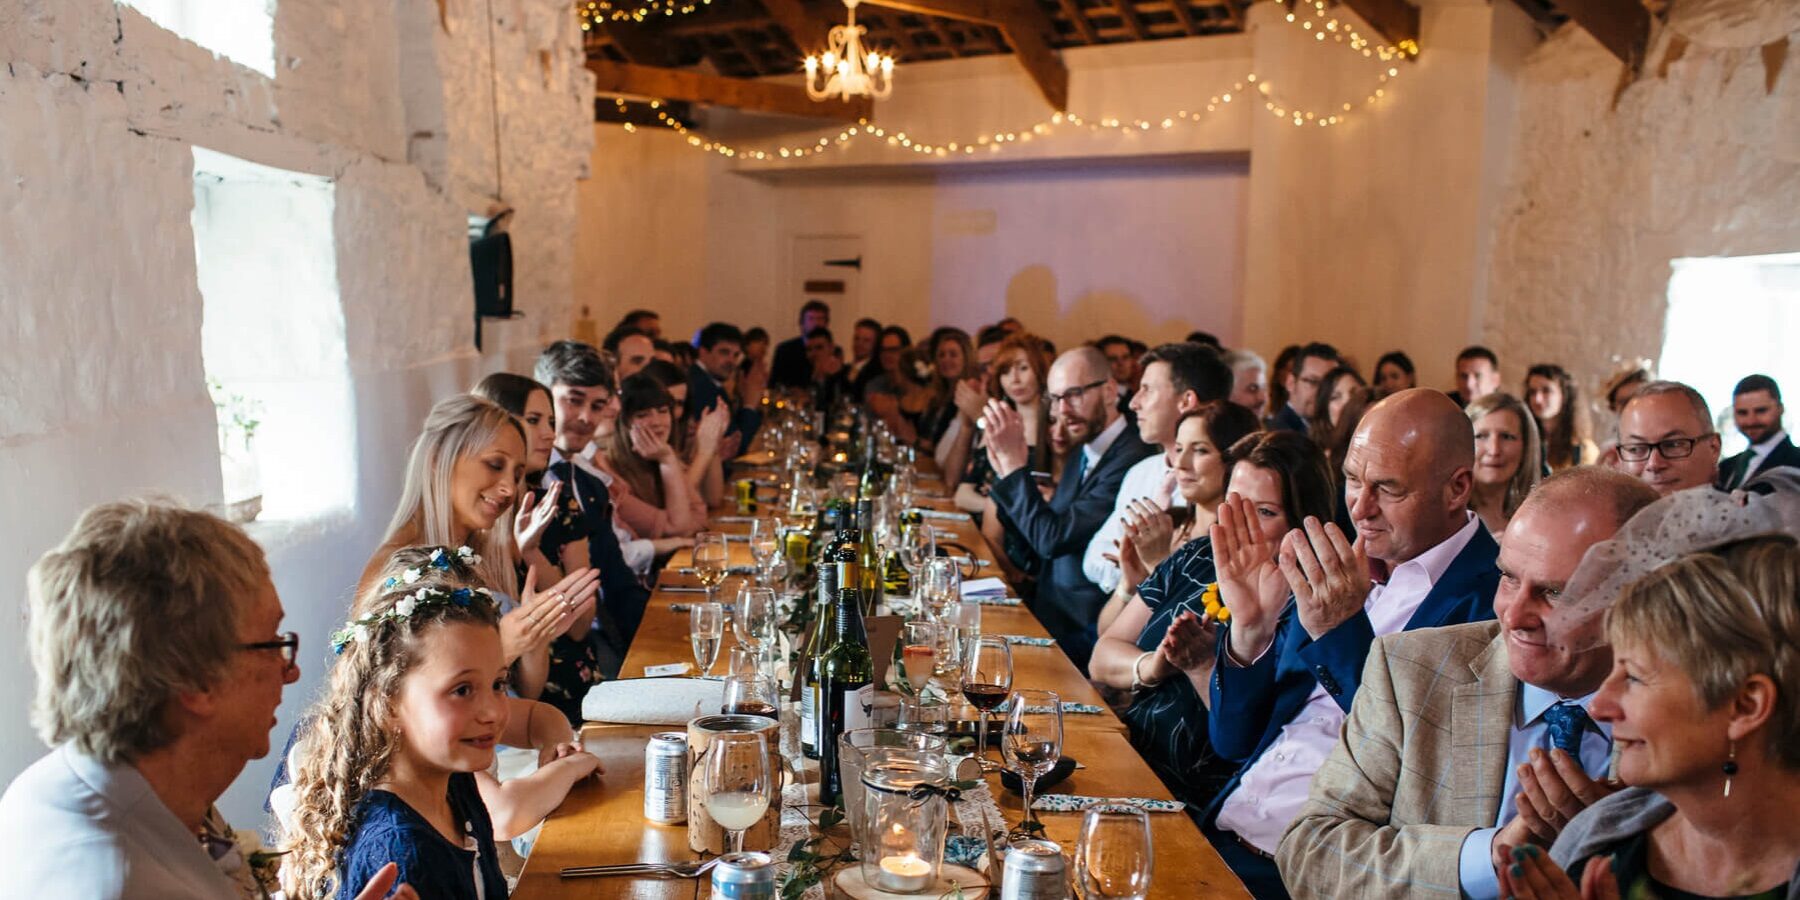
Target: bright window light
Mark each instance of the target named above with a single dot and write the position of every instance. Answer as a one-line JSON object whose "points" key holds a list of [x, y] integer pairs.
{"points": [[242, 31], [1730, 317]]}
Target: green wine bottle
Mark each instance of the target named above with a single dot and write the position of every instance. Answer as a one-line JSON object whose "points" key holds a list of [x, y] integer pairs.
{"points": [[845, 678], [816, 644]]}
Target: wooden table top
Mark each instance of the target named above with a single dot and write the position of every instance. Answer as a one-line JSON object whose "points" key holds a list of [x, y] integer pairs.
{"points": [[603, 822]]}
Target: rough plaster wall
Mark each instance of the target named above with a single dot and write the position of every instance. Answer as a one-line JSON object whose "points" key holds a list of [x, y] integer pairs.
{"points": [[1700, 162], [101, 385]]}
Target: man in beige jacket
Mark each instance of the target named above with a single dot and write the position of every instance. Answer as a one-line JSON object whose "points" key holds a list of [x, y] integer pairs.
{"points": [[1453, 724]]}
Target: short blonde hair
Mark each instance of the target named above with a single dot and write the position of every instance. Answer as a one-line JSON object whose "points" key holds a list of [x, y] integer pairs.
{"points": [[140, 602], [1531, 455], [1722, 616]]}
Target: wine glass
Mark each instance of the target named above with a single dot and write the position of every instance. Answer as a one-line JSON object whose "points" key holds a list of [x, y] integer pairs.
{"points": [[918, 546], [986, 683], [1113, 856], [742, 659], [942, 584], [752, 694], [903, 485], [738, 782], [710, 561], [918, 652], [707, 621], [1032, 739], [754, 617], [765, 542]]}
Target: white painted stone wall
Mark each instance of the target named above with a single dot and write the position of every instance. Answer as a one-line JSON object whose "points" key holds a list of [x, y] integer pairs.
{"points": [[102, 392]]}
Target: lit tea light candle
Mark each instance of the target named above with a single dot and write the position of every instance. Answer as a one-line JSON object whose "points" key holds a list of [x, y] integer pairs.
{"points": [[840, 456], [906, 874]]}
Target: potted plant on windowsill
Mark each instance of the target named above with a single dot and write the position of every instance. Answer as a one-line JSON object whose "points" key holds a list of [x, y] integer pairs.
{"points": [[238, 417]]}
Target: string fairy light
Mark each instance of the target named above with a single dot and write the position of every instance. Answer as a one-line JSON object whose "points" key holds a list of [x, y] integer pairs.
{"points": [[596, 13]]}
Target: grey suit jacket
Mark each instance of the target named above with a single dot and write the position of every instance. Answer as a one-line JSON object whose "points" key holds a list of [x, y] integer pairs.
{"points": [[1420, 764]]}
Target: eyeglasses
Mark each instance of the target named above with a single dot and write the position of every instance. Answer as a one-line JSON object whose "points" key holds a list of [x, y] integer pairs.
{"points": [[1074, 394], [1670, 448], [288, 643]]}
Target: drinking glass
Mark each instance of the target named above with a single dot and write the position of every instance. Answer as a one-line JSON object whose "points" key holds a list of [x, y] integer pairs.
{"points": [[946, 667], [966, 616], [710, 561], [942, 584], [765, 542], [918, 546], [738, 783], [930, 715], [1032, 739], [743, 660], [986, 683], [754, 616], [707, 629], [752, 695], [918, 652], [1113, 856], [859, 748], [904, 483]]}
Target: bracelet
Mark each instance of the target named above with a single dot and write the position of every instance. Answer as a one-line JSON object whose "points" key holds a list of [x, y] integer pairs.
{"points": [[1137, 682]]}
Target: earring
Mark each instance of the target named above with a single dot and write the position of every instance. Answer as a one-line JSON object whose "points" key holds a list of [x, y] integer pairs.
{"points": [[1730, 767]]}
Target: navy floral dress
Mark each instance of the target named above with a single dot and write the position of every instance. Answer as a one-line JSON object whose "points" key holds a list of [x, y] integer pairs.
{"points": [[387, 829], [574, 664]]}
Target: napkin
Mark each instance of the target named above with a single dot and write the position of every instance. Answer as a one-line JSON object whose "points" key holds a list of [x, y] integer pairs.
{"points": [[996, 601], [1069, 707], [940, 514], [1077, 803], [652, 701], [984, 588], [729, 608], [1029, 641]]}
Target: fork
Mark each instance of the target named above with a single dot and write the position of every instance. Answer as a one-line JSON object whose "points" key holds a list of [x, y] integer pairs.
{"points": [[690, 869]]}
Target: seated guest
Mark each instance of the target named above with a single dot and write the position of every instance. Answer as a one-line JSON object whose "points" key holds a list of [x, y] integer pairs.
{"points": [[1019, 371], [676, 353], [1756, 409], [721, 349], [790, 368], [1249, 380], [1288, 669], [1057, 531], [830, 380], [153, 632], [632, 349], [1124, 364], [1161, 644], [863, 338], [1301, 385], [903, 398], [1704, 702], [662, 499], [644, 321], [700, 442], [1343, 400], [1394, 373], [1477, 375], [756, 351], [1562, 419], [1447, 717], [1508, 463], [970, 397], [1617, 391], [1176, 379], [1666, 438], [880, 377], [953, 359]]}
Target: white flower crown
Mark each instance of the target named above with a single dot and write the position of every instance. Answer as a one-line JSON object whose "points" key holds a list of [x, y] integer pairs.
{"points": [[361, 629], [439, 560]]}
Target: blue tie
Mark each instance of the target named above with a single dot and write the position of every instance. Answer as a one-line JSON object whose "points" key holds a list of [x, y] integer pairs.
{"points": [[1568, 722]]}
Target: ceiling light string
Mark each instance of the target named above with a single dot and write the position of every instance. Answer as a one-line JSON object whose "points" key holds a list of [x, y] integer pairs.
{"points": [[595, 13]]}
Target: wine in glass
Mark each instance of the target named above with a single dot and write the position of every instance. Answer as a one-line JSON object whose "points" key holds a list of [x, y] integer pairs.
{"points": [[986, 683], [710, 561], [752, 694], [918, 652], [738, 783], [707, 621], [1032, 739], [1113, 856]]}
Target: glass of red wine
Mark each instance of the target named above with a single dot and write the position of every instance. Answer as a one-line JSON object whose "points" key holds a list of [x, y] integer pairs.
{"points": [[987, 676], [752, 694]]}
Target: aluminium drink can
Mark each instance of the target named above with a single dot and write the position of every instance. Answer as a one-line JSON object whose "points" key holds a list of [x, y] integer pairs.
{"points": [[1034, 871], [666, 778], [744, 876]]}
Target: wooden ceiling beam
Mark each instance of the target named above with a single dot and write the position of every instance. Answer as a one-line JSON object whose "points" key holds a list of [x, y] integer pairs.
{"points": [[1024, 24], [805, 25], [1185, 16], [715, 90], [1396, 20], [1621, 26], [1078, 18], [1129, 18], [635, 44]]}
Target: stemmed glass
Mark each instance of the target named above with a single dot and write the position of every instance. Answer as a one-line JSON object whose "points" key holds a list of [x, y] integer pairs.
{"points": [[903, 485], [752, 694], [738, 782], [1114, 856], [918, 652], [710, 561], [987, 675], [1033, 738], [918, 546], [754, 618], [707, 621], [942, 584], [765, 544]]}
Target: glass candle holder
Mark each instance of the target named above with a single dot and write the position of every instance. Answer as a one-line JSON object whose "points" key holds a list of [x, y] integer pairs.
{"points": [[859, 749], [904, 843]]}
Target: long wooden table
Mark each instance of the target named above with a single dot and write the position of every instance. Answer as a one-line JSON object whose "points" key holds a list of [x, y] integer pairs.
{"points": [[602, 821]]}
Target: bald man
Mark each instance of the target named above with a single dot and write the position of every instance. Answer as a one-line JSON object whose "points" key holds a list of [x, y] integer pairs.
{"points": [[1291, 661], [1080, 389]]}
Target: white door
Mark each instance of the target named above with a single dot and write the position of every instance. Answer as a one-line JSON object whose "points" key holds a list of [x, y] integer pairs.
{"points": [[828, 268]]}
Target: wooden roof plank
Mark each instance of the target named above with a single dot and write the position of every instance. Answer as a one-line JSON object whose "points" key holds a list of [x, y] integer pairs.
{"points": [[716, 90]]}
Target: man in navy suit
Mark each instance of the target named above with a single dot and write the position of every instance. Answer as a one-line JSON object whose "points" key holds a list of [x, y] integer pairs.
{"points": [[1309, 369], [721, 349], [1756, 408], [790, 368], [1288, 671], [1079, 388]]}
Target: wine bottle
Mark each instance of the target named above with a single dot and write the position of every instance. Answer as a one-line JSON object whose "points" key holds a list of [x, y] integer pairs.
{"points": [[846, 558], [868, 559], [816, 644], [845, 675]]}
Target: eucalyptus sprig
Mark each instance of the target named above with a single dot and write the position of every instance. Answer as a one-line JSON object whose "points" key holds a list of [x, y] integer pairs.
{"points": [[811, 860]]}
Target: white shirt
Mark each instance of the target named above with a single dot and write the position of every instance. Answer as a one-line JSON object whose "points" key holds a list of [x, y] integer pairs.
{"points": [[1274, 788], [72, 826], [1760, 452], [1142, 482], [1093, 450]]}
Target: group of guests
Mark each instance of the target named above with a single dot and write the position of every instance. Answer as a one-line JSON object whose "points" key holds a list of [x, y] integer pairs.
{"points": [[1382, 639]]}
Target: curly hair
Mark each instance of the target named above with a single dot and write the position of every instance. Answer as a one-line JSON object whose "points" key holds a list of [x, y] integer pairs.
{"points": [[346, 745]]}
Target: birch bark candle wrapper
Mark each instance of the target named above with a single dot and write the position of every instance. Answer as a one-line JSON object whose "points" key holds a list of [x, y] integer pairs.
{"points": [[706, 835]]}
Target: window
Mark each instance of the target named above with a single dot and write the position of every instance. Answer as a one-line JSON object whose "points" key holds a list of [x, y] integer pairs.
{"points": [[242, 31], [273, 338], [1730, 317]]}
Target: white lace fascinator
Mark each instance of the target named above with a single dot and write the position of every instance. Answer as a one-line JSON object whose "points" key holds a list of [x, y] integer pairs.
{"points": [[1683, 522]]}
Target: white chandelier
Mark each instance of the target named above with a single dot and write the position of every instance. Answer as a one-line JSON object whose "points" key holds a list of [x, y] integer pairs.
{"points": [[846, 70]]}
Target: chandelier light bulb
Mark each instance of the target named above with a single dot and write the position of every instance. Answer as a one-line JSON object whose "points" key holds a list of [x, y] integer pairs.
{"points": [[847, 69]]}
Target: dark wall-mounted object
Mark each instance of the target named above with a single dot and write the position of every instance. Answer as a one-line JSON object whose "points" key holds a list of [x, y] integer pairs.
{"points": [[491, 266]]}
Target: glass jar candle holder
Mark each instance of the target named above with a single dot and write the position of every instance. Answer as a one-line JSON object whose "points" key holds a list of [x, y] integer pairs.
{"points": [[906, 807], [859, 749]]}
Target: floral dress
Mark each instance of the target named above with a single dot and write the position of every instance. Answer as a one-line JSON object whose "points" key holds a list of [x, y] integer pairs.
{"points": [[574, 663]]}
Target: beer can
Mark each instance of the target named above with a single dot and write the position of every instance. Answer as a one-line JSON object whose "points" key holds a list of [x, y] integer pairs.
{"points": [[666, 778], [1034, 871], [744, 876], [746, 496]]}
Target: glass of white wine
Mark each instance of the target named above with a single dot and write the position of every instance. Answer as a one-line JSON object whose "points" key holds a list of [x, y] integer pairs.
{"points": [[708, 630], [711, 560], [1114, 857], [738, 782]]}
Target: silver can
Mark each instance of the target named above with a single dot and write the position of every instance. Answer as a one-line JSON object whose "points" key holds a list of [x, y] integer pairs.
{"points": [[1034, 871], [744, 876], [666, 778]]}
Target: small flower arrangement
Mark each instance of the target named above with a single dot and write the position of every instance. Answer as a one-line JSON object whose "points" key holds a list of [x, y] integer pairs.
{"points": [[253, 869], [439, 560], [1213, 605]]}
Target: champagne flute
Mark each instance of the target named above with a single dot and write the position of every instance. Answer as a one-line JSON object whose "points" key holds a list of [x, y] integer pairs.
{"points": [[751, 694], [707, 621], [710, 561], [1032, 739], [918, 652], [738, 782], [765, 542], [1114, 855], [987, 675]]}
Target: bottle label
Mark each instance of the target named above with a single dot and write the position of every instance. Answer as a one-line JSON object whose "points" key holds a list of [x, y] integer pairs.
{"points": [[859, 706], [808, 718]]}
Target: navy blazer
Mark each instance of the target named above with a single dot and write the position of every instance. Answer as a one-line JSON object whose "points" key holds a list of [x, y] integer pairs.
{"points": [[622, 596], [1785, 454], [790, 368], [1286, 419], [704, 391], [1058, 532], [1252, 704]]}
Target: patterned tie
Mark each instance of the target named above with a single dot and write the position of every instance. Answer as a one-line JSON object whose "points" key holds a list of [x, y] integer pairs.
{"points": [[1568, 722]]}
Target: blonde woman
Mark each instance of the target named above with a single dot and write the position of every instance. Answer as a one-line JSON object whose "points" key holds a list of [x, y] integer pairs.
{"points": [[1508, 460]]}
